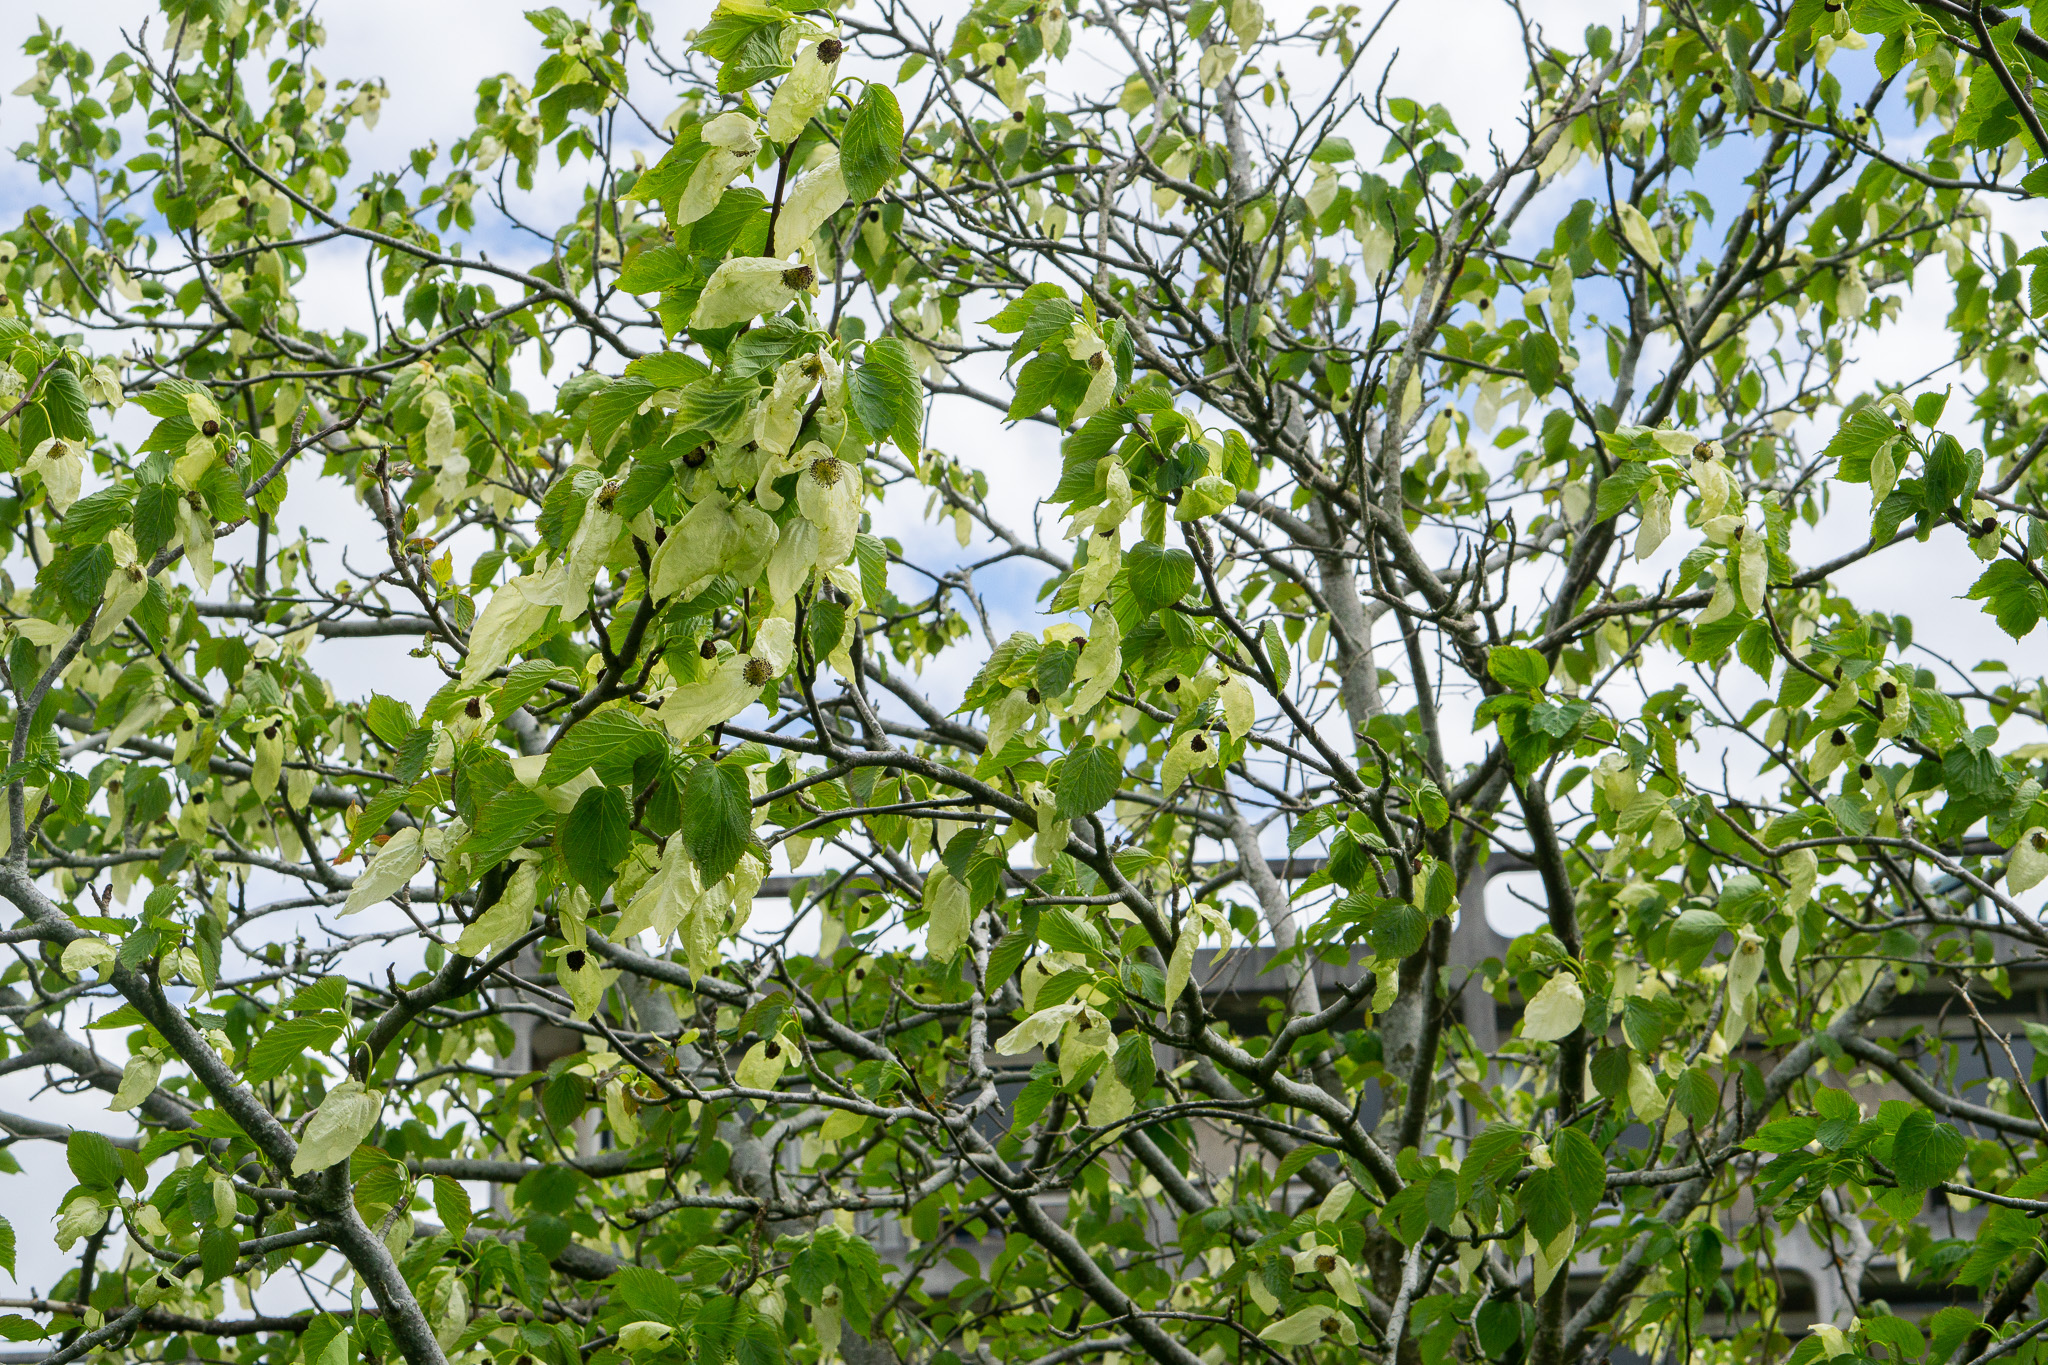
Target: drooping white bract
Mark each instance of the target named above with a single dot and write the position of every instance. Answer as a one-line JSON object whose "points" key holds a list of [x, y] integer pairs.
{"points": [[1555, 1010], [805, 89], [392, 868], [817, 194], [716, 536], [746, 287], [828, 494], [736, 679], [733, 143], [344, 1118]]}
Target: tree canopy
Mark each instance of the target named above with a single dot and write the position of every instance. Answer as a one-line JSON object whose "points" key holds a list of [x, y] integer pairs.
{"points": [[1413, 504]]}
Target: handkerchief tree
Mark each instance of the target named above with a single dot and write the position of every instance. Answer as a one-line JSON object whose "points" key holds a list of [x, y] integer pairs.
{"points": [[1393, 495]]}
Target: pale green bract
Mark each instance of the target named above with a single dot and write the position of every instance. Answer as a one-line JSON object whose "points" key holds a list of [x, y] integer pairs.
{"points": [[343, 1119]]}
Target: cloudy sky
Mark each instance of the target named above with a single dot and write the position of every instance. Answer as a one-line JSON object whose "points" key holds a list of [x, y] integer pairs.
{"points": [[1463, 53]]}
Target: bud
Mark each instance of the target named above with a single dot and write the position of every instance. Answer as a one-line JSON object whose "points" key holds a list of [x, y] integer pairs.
{"points": [[210, 428], [757, 672]]}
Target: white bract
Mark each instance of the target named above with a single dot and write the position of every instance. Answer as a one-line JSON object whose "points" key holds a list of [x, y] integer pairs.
{"points": [[745, 287], [1555, 1010], [344, 1118]]}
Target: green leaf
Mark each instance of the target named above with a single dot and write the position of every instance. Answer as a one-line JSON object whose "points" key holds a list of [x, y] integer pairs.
{"points": [[1494, 1156], [717, 817], [1204, 497], [1522, 669], [757, 58], [219, 1249], [1396, 929], [826, 627], [290, 1040], [1541, 364], [389, 719], [1783, 1135], [1440, 891], [82, 572], [93, 516], [1013, 316], [1052, 320], [451, 1205], [1859, 438], [650, 1293], [1135, 1065], [1757, 649], [221, 487], [887, 396], [1064, 931], [156, 518], [65, 402], [93, 1160], [1693, 935], [1276, 653], [1006, 957], [873, 143], [7, 1255], [1431, 805], [594, 838], [1038, 383], [872, 554], [1837, 1105], [1440, 1198], [611, 743], [656, 269], [1159, 576], [1949, 470], [1546, 1203], [1585, 1171], [507, 821], [1499, 1326], [2012, 596], [1619, 489], [1697, 1097], [167, 399], [668, 369], [1610, 1071], [1925, 1151], [1088, 779]]}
